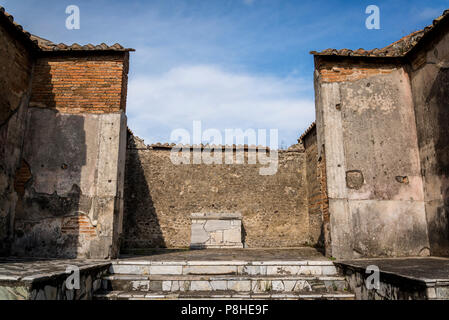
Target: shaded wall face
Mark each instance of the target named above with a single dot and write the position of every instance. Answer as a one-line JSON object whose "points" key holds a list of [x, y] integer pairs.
{"points": [[316, 192], [70, 200], [161, 196], [430, 84], [73, 162], [375, 188], [16, 65]]}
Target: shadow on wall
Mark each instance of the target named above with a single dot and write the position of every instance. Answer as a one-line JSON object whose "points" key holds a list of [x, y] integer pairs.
{"points": [[439, 94], [139, 213], [52, 212]]}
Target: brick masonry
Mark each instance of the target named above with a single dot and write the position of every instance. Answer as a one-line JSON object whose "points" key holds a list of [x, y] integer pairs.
{"points": [[65, 83], [344, 71]]}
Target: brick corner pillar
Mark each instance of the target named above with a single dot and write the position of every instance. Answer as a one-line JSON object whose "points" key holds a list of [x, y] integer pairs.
{"points": [[75, 146]]}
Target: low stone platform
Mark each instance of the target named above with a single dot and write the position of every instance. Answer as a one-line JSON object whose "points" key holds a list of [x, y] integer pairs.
{"points": [[220, 295], [45, 279], [288, 254], [417, 278], [301, 273]]}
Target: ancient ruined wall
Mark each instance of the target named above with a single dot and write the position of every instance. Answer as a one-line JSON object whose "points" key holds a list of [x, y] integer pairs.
{"points": [[73, 158], [316, 189], [160, 196], [16, 63], [367, 132], [430, 85]]}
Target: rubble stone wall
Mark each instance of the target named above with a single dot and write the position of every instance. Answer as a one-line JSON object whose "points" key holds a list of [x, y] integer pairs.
{"points": [[160, 198]]}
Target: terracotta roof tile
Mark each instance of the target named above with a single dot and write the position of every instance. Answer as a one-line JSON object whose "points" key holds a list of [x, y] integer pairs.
{"points": [[308, 130], [397, 49], [10, 20], [47, 45]]}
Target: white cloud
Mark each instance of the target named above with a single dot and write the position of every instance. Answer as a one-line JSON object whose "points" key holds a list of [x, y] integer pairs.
{"points": [[158, 104], [248, 2]]}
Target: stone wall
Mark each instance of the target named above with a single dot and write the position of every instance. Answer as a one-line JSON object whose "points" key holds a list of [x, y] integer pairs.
{"points": [[160, 198], [429, 74], [71, 199], [367, 131], [316, 191], [16, 65]]}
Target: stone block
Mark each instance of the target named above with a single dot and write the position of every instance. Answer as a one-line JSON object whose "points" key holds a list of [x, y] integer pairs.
{"points": [[200, 286], [239, 285], [210, 270], [177, 270], [216, 230]]}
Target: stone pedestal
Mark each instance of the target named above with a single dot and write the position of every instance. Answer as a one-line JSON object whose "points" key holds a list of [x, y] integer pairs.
{"points": [[216, 230]]}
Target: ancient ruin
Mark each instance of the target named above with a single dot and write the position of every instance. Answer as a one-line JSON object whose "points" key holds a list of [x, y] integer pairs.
{"points": [[368, 179]]}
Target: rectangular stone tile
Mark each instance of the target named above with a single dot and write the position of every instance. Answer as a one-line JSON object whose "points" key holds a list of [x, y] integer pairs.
{"points": [[216, 263], [279, 263], [242, 285], [210, 270], [283, 270], [219, 285], [166, 285], [200, 286], [311, 270], [166, 270], [328, 270]]}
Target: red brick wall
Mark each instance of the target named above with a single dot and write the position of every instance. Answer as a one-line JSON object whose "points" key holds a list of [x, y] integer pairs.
{"points": [[78, 225], [81, 84], [342, 71]]}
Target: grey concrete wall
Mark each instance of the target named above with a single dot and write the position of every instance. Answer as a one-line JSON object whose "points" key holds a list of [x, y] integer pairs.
{"points": [[430, 83], [73, 200], [366, 127], [16, 64]]}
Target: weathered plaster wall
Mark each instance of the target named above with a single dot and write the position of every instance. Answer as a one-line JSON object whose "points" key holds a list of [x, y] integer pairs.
{"points": [[160, 197], [430, 83], [367, 130], [16, 64], [71, 199]]}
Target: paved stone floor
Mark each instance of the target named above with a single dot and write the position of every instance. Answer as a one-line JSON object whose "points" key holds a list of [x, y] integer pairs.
{"points": [[294, 254], [29, 269], [425, 269]]}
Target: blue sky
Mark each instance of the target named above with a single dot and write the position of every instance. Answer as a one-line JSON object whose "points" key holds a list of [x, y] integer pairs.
{"points": [[229, 63]]}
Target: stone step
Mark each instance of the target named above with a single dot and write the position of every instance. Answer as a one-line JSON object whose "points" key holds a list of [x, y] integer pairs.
{"points": [[220, 295], [263, 268], [211, 283]]}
